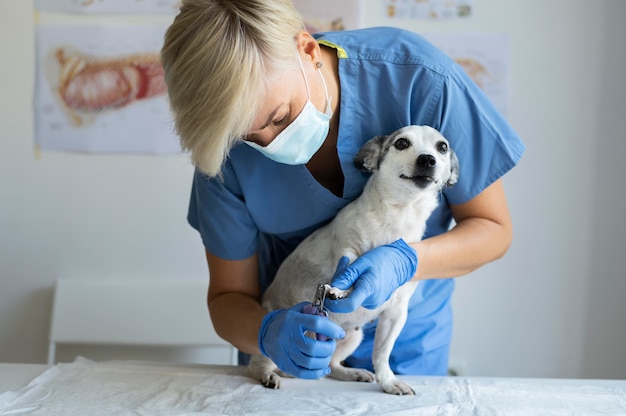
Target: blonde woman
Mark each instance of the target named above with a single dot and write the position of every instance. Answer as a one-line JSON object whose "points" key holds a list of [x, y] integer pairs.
{"points": [[272, 117]]}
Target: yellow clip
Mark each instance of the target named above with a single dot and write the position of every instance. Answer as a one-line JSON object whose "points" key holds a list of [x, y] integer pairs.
{"points": [[341, 52]]}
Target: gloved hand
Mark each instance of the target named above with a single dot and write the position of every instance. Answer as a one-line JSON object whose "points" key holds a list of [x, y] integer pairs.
{"points": [[282, 339], [374, 276]]}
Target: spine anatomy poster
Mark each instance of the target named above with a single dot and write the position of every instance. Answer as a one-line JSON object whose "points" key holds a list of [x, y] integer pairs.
{"points": [[100, 88]]}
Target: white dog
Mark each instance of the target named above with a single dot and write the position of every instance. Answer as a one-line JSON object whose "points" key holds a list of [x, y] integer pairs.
{"points": [[410, 168]]}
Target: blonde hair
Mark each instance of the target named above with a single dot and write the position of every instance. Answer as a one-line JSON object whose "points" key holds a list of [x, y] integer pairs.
{"points": [[219, 58]]}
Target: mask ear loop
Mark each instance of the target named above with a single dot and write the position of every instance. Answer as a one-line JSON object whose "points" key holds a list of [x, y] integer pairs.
{"points": [[328, 111], [308, 92]]}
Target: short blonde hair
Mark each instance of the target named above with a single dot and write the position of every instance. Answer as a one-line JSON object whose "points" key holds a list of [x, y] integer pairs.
{"points": [[219, 58]]}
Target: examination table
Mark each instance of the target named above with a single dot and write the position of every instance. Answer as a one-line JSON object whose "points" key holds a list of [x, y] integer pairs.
{"points": [[86, 387]]}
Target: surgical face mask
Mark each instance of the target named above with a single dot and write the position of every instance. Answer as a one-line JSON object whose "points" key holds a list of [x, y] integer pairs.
{"points": [[299, 141]]}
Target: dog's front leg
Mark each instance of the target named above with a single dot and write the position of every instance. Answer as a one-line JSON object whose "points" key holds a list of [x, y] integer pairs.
{"points": [[390, 323]]}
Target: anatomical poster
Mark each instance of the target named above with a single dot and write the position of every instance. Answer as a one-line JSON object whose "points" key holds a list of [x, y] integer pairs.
{"points": [[484, 57], [100, 88], [108, 6]]}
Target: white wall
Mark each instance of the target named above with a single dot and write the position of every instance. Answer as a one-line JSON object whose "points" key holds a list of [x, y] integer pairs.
{"points": [[550, 308], [605, 332]]}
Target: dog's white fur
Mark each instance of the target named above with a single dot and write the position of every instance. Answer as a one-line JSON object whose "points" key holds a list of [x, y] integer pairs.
{"points": [[410, 167]]}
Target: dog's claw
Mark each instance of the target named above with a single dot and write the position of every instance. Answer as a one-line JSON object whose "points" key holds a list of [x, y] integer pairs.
{"points": [[334, 293], [270, 380]]}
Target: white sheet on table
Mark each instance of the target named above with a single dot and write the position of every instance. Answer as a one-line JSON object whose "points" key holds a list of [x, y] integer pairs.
{"points": [[85, 387]]}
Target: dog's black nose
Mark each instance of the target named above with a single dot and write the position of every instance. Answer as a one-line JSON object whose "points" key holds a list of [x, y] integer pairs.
{"points": [[426, 161]]}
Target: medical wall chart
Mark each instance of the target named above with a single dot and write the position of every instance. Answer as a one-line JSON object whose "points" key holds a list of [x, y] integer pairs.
{"points": [[108, 6], [484, 57], [100, 88], [427, 9]]}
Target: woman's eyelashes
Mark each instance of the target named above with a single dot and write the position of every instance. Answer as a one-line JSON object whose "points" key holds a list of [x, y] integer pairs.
{"points": [[281, 121]]}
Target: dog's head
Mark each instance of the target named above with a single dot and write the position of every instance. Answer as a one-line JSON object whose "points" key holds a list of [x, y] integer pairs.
{"points": [[417, 155]]}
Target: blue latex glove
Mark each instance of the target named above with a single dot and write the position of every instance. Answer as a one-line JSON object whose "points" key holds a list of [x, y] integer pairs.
{"points": [[282, 339], [374, 276]]}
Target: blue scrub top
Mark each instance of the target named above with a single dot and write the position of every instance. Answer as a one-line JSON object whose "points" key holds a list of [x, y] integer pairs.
{"points": [[389, 78]]}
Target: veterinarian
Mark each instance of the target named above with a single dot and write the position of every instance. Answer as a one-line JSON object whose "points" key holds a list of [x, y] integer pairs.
{"points": [[272, 117]]}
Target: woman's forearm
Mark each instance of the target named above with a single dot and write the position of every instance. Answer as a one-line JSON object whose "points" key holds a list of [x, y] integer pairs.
{"points": [[233, 301], [237, 318]]}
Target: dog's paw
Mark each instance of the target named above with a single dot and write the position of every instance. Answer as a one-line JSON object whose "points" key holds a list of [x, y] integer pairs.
{"points": [[352, 374], [270, 380], [363, 376], [334, 293], [398, 388]]}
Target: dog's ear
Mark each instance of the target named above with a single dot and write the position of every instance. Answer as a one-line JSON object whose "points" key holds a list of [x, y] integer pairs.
{"points": [[454, 169], [368, 157]]}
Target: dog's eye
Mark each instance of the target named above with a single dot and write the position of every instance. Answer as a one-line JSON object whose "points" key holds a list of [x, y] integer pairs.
{"points": [[401, 143], [442, 147]]}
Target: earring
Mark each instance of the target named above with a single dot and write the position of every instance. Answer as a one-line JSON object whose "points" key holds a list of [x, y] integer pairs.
{"points": [[318, 64]]}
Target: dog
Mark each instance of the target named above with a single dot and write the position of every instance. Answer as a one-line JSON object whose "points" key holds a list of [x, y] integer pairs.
{"points": [[409, 167]]}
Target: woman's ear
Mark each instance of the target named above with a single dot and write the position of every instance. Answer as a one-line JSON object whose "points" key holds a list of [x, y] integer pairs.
{"points": [[307, 45]]}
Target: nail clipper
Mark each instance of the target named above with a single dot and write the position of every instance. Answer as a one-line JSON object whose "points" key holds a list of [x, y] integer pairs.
{"points": [[317, 308]]}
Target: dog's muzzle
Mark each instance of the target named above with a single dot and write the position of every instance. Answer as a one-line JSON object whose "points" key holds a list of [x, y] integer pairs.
{"points": [[424, 173]]}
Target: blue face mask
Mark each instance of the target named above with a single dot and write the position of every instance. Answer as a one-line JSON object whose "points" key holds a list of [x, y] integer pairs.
{"points": [[299, 141]]}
